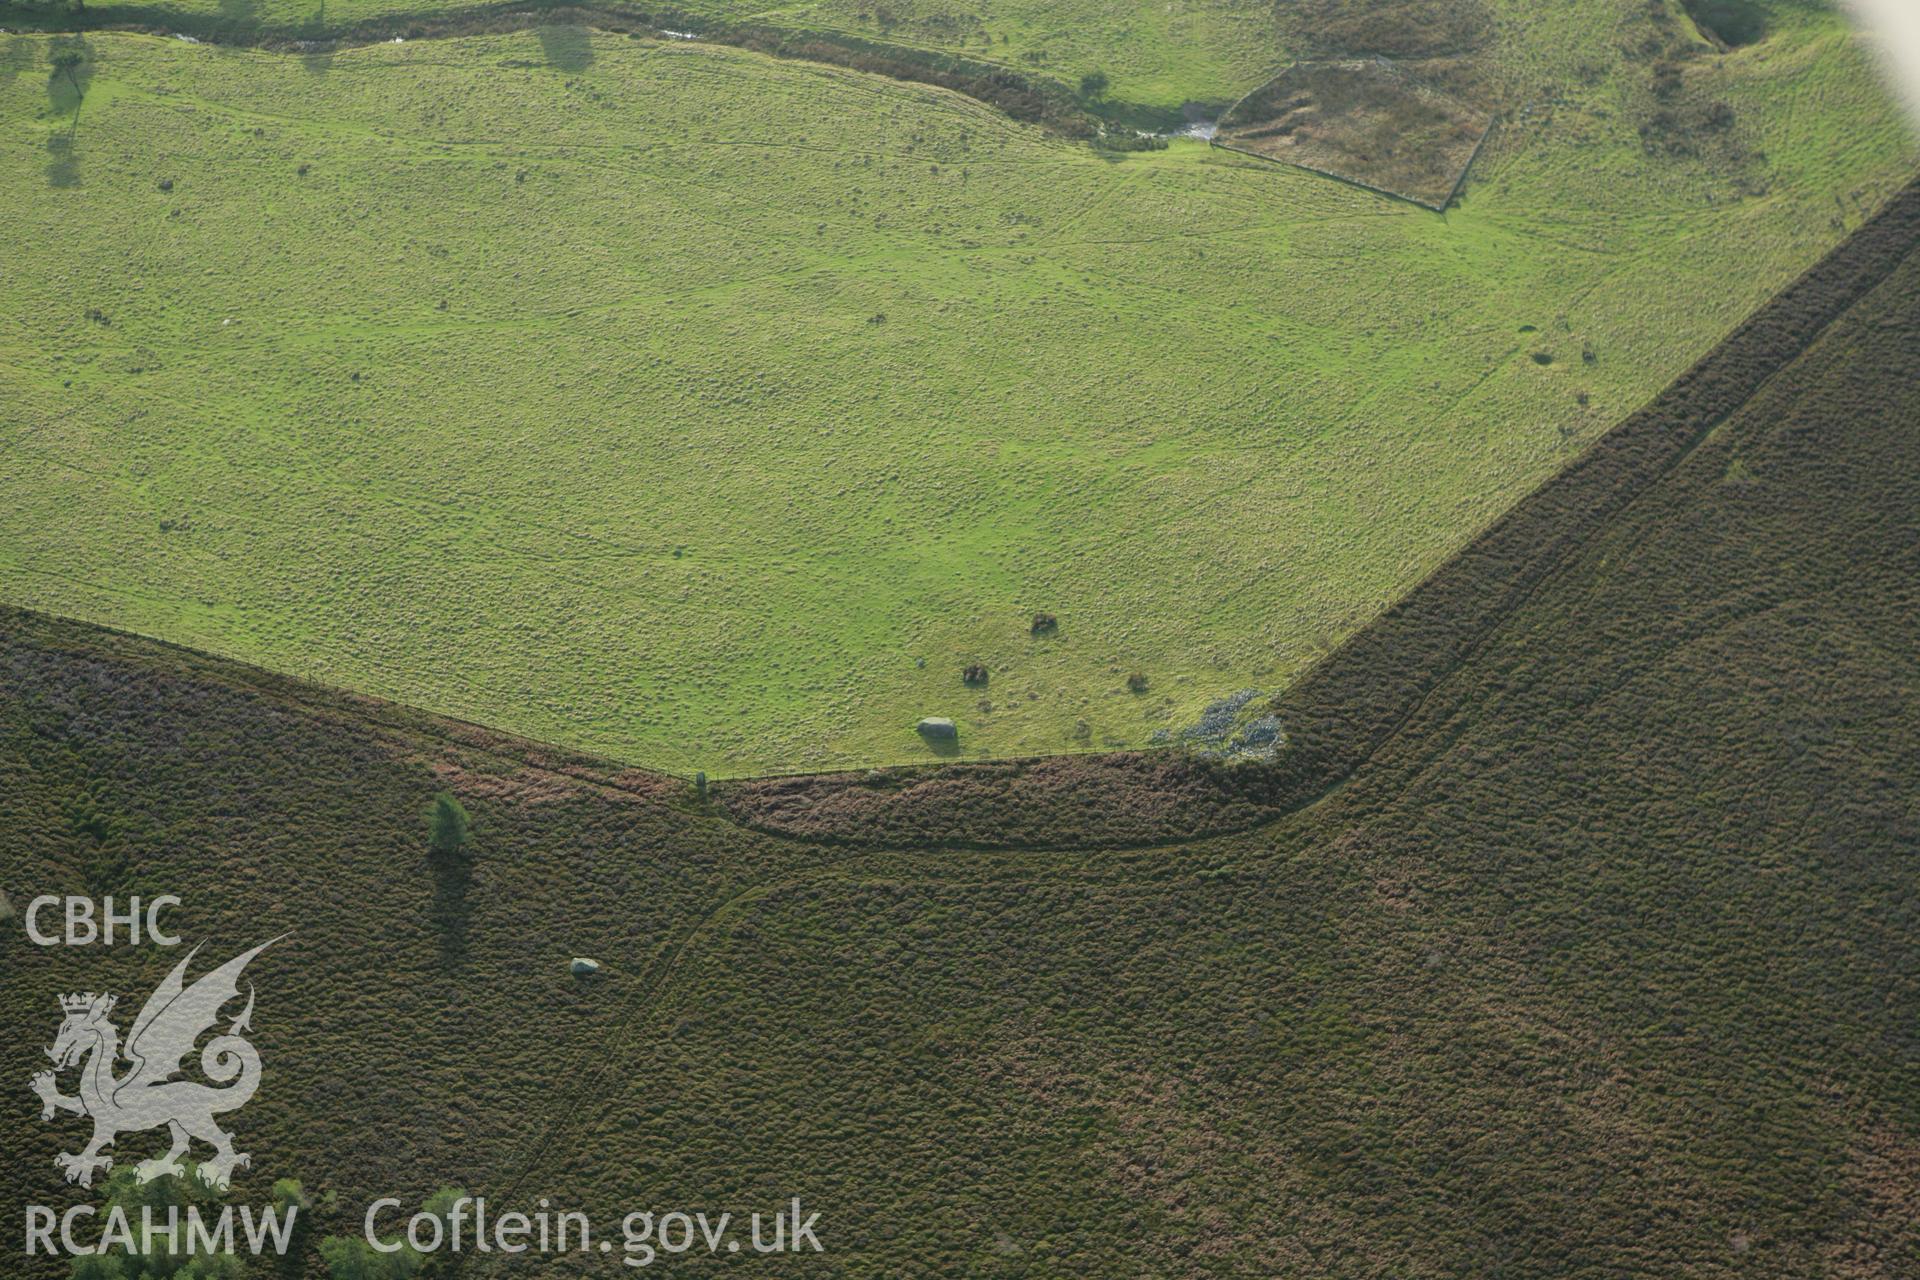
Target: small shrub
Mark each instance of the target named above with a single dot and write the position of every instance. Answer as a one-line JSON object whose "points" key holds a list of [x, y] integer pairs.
{"points": [[448, 825], [975, 674], [288, 1193], [1137, 682], [1045, 624], [1094, 84]]}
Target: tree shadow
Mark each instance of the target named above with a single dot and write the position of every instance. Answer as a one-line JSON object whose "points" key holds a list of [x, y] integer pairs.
{"points": [[568, 48], [63, 166], [20, 55], [452, 913], [319, 60], [69, 72]]}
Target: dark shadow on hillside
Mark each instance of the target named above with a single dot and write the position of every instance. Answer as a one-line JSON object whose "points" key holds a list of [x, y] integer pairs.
{"points": [[451, 912], [318, 60], [18, 57], [63, 167], [568, 48], [240, 13], [318, 26], [1730, 22]]}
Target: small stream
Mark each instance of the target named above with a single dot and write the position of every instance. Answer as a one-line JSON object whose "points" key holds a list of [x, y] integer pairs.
{"points": [[1201, 129], [1202, 121]]}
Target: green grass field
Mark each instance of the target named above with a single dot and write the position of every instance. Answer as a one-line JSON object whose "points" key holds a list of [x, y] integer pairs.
{"points": [[676, 403]]}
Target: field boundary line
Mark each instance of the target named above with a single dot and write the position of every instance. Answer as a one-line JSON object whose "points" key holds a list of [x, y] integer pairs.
{"points": [[1453, 194]]}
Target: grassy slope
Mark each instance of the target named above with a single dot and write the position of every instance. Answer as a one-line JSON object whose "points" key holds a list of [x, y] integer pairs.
{"points": [[656, 483], [1600, 966]]}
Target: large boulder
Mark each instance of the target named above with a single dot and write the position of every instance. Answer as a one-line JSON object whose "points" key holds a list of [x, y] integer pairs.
{"points": [[583, 967], [938, 728]]}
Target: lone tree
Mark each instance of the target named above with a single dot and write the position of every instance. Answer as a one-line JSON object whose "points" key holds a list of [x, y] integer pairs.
{"points": [[68, 61], [447, 824]]}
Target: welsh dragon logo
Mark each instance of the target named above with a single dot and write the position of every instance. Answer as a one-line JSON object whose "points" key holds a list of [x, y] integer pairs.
{"points": [[148, 1096]]}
